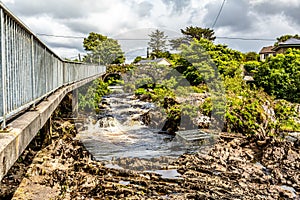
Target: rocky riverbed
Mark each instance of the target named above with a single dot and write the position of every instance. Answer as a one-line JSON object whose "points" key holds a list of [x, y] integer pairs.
{"points": [[234, 168]]}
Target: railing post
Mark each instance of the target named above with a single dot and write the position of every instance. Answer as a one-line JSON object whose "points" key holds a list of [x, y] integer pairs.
{"points": [[33, 72], [3, 69], [45, 71]]}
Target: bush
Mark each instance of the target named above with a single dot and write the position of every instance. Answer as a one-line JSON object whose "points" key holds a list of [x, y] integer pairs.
{"points": [[280, 76], [251, 66], [90, 95], [286, 115]]}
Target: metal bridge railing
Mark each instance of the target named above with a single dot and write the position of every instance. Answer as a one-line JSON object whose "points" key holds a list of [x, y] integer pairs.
{"points": [[29, 70]]}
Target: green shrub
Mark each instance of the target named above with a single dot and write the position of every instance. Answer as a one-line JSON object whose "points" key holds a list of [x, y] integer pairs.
{"points": [[90, 95], [280, 76], [251, 66], [286, 115]]}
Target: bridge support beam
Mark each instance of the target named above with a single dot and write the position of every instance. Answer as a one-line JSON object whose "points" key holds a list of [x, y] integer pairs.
{"points": [[23, 129], [46, 133], [75, 103]]}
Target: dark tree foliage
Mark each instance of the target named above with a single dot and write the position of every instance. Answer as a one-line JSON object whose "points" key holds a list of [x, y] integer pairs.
{"points": [[198, 33], [251, 56], [160, 54], [92, 41], [190, 33]]}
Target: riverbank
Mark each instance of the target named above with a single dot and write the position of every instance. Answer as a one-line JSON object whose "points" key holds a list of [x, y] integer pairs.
{"points": [[234, 168]]}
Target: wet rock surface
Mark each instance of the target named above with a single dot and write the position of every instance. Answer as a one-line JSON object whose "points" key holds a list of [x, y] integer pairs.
{"points": [[235, 168]]}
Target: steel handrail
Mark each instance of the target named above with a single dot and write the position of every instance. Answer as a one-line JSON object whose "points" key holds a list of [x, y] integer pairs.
{"points": [[29, 70]]}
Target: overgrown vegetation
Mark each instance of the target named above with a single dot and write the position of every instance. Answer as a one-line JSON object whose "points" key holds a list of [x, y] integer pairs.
{"points": [[90, 95], [248, 109], [266, 108], [280, 76]]}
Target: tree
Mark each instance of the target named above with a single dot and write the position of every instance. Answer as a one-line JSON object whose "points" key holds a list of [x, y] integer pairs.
{"points": [[93, 40], [228, 61], [284, 38], [251, 56], [191, 33], [102, 50], [198, 32], [158, 41]]}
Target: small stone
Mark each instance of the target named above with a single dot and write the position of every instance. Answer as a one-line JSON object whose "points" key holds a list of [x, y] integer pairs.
{"points": [[261, 142]]}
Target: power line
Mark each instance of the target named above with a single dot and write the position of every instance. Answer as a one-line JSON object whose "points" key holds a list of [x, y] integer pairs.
{"points": [[60, 36], [81, 37], [142, 39], [220, 37], [218, 14], [146, 39], [249, 39]]}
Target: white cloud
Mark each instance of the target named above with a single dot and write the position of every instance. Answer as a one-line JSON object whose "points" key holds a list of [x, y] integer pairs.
{"points": [[276, 2], [8, 1], [134, 18]]}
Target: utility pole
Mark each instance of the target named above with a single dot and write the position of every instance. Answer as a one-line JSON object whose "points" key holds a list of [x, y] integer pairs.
{"points": [[79, 57], [148, 54]]}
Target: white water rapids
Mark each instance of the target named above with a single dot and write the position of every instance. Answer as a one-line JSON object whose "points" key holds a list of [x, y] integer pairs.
{"points": [[120, 132]]}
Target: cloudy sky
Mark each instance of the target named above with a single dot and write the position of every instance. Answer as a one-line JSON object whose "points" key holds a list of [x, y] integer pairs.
{"points": [[131, 21]]}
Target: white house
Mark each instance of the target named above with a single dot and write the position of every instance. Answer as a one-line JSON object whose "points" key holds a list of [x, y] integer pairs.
{"points": [[266, 52], [159, 61]]}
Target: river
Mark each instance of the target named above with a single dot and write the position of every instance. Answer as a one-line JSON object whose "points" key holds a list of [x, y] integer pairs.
{"points": [[119, 132]]}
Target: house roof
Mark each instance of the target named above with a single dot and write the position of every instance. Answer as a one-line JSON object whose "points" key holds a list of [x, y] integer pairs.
{"points": [[153, 61], [290, 43], [268, 49]]}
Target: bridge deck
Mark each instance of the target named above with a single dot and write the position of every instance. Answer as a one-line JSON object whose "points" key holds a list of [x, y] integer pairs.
{"points": [[24, 128]]}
